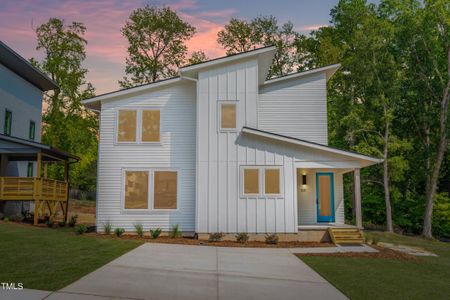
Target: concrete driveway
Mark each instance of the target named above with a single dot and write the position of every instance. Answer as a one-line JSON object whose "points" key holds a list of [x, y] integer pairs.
{"points": [[162, 271]]}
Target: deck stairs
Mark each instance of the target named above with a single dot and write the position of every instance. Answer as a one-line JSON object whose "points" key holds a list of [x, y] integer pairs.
{"points": [[346, 236]]}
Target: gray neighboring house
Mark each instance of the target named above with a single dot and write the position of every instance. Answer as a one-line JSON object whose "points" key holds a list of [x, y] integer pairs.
{"points": [[21, 90]]}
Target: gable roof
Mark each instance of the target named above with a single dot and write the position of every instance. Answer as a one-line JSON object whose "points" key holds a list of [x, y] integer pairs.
{"points": [[19, 65], [300, 142]]}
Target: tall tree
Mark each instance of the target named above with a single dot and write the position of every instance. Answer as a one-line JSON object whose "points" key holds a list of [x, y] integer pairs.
{"points": [[197, 57], [66, 124], [156, 38], [237, 36]]}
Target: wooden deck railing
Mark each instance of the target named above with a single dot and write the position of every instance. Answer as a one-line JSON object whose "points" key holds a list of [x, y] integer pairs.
{"points": [[32, 188]]}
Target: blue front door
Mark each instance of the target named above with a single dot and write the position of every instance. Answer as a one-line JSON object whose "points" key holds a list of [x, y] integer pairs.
{"points": [[325, 197]]}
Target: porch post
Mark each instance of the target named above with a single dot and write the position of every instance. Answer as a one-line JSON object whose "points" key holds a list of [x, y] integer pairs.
{"points": [[358, 198], [37, 188]]}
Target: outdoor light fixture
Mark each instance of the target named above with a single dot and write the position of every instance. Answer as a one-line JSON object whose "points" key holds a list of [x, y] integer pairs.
{"points": [[304, 179]]}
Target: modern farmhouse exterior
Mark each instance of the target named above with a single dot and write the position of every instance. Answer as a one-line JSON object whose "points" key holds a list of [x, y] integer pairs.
{"points": [[221, 149]]}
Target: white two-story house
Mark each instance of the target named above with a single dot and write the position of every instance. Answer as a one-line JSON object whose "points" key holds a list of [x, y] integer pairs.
{"points": [[222, 149]]}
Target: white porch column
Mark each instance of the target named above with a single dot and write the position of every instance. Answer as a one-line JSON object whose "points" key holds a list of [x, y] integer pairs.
{"points": [[357, 183]]}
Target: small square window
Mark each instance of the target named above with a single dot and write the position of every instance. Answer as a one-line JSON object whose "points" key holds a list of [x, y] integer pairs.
{"points": [[228, 116], [32, 131], [126, 129], [251, 181], [136, 190]]}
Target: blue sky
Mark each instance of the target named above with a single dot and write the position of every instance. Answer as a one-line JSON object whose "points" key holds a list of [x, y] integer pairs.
{"points": [[106, 50]]}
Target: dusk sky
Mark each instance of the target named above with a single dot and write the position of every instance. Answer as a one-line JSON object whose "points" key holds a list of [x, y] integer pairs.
{"points": [[106, 49]]}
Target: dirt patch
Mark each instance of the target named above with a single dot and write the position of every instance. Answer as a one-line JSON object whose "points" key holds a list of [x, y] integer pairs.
{"points": [[193, 241], [384, 253]]}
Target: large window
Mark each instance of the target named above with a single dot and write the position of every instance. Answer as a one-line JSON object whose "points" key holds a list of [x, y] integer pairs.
{"points": [[126, 129], [261, 181], [228, 116], [165, 190], [136, 189], [8, 122], [150, 125], [32, 131]]}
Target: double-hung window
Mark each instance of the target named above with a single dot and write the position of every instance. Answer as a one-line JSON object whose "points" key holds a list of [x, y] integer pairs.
{"points": [[150, 189], [138, 126], [261, 181]]}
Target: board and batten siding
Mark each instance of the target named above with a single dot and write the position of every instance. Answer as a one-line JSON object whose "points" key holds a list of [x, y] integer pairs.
{"points": [[175, 151], [221, 155], [295, 107]]}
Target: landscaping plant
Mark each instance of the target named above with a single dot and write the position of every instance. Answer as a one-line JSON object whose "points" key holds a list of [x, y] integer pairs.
{"points": [[139, 229], [272, 239], [215, 237], [155, 233], [107, 227], [62, 224], [73, 220], [242, 237], [175, 232], [119, 231], [49, 223], [81, 229]]}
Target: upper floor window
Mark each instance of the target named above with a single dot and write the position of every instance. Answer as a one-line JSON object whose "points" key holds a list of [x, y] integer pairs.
{"points": [[32, 131], [138, 126], [8, 122], [228, 116]]}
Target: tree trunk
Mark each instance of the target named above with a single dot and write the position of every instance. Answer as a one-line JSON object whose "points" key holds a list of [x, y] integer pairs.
{"points": [[442, 148], [387, 195]]}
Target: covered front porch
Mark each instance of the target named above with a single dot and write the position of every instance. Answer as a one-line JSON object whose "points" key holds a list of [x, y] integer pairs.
{"points": [[24, 182]]}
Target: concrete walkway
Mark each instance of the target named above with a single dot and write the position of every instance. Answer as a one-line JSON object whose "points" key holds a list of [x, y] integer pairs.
{"points": [[163, 271]]}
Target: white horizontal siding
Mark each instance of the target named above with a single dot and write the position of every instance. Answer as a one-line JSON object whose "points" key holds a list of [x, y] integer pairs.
{"points": [[176, 151], [296, 108]]}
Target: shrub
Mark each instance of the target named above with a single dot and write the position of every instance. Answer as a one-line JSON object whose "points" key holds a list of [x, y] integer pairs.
{"points": [[49, 223], [16, 218], [6, 219], [107, 227], [155, 233], [62, 224], [215, 237], [242, 237], [175, 231], [119, 231], [139, 229], [81, 229], [73, 220], [272, 239]]}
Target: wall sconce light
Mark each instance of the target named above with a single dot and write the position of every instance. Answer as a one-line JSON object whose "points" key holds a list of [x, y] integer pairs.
{"points": [[304, 180]]}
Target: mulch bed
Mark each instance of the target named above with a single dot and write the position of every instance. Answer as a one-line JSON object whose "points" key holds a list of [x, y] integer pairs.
{"points": [[193, 241], [384, 253]]}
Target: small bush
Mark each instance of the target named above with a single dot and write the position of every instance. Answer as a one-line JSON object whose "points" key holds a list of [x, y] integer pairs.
{"points": [[215, 237], [272, 239], [155, 233], [107, 227], [175, 231], [242, 237], [81, 229], [139, 229], [16, 218], [73, 220], [62, 224], [119, 231], [50, 224], [6, 219]]}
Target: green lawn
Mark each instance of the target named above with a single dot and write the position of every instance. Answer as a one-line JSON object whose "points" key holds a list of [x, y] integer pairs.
{"points": [[49, 259], [369, 278]]}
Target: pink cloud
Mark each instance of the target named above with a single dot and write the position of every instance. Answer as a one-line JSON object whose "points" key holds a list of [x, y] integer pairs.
{"points": [[311, 27]]}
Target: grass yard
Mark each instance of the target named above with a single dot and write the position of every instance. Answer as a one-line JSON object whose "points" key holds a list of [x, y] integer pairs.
{"points": [[49, 259], [378, 278]]}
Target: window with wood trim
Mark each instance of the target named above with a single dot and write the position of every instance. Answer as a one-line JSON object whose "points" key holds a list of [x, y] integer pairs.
{"points": [[271, 181], [165, 190], [150, 126], [126, 128], [228, 116], [251, 181], [136, 189]]}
